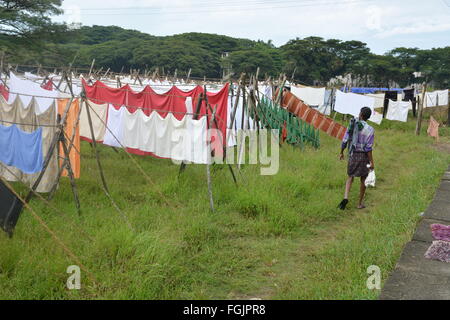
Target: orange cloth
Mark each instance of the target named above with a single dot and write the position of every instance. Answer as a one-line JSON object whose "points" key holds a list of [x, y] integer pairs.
{"points": [[312, 116], [72, 117], [433, 128], [284, 132]]}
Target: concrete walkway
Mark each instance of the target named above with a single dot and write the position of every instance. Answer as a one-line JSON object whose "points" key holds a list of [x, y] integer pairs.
{"points": [[417, 278]]}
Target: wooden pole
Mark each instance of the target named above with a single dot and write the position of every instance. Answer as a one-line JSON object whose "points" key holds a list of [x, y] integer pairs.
{"points": [[448, 116], [94, 143], [208, 164], [50, 151], [67, 158], [420, 113], [188, 75], [92, 67], [70, 173], [196, 116], [238, 94], [106, 73], [293, 74], [1, 61]]}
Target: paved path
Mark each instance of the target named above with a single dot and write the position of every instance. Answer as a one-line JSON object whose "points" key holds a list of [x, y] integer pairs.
{"points": [[417, 278]]}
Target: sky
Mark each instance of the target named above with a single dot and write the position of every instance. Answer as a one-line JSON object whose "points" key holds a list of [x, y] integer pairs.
{"points": [[382, 24]]}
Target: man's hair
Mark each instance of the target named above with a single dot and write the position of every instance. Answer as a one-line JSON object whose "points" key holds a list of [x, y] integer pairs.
{"points": [[366, 113]]}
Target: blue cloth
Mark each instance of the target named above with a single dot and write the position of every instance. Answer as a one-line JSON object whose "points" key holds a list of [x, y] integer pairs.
{"points": [[370, 90], [21, 149]]}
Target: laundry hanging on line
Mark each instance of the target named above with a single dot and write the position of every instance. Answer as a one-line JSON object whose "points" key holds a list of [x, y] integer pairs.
{"points": [[313, 97], [21, 149], [312, 116], [398, 110], [28, 120], [98, 114], [69, 128], [379, 99], [27, 90], [168, 138], [4, 92], [433, 128], [173, 101], [351, 103], [316, 98], [242, 119], [436, 98], [363, 90], [376, 117]]}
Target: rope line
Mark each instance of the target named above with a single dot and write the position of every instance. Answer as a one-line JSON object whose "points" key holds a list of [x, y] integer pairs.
{"points": [[53, 234], [132, 158], [46, 201]]}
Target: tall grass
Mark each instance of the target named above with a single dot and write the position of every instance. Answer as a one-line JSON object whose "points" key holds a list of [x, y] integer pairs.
{"points": [[278, 237]]}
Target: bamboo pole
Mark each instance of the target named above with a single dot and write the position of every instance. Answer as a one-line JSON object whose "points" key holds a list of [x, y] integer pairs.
{"points": [[208, 163], [238, 94], [94, 144], [188, 75], [196, 116], [420, 113], [92, 67], [50, 151], [448, 116]]}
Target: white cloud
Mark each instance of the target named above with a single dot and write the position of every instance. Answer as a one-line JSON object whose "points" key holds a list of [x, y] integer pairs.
{"points": [[374, 15], [418, 28], [73, 14], [370, 21]]}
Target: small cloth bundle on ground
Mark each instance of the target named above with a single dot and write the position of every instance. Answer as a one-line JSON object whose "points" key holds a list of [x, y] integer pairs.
{"points": [[439, 250], [440, 232]]}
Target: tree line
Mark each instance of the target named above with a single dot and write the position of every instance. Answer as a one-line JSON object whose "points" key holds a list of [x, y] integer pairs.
{"points": [[28, 37]]}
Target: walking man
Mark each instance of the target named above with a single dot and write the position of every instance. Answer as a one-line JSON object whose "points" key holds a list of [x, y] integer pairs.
{"points": [[359, 140]]}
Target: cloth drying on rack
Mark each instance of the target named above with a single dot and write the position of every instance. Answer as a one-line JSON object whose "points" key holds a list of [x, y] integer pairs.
{"points": [[314, 97], [398, 110], [21, 149], [27, 120], [27, 90], [351, 103]]}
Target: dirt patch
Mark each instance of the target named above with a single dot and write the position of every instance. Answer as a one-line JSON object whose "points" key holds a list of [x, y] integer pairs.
{"points": [[442, 147]]}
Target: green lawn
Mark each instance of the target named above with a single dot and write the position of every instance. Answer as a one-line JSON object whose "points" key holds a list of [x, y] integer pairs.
{"points": [[272, 237]]}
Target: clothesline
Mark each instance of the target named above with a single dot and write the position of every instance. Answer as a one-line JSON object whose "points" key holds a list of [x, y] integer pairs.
{"points": [[88, 69], [77, 83], [143, 92], [157, 110], [154, 85], [79, 96], [39, 96], [31, 125], [122, 106]]}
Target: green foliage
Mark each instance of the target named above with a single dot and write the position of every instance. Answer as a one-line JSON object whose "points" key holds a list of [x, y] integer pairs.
{"points": [[271, 237], [27, 24], [312, 60]]}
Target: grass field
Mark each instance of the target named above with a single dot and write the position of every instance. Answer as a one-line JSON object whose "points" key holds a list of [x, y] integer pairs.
{"points": [[272, 237]]}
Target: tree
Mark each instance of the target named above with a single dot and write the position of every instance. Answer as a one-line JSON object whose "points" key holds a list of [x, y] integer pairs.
{"points": [[314, 59], [26, 24], [248, 61]]}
